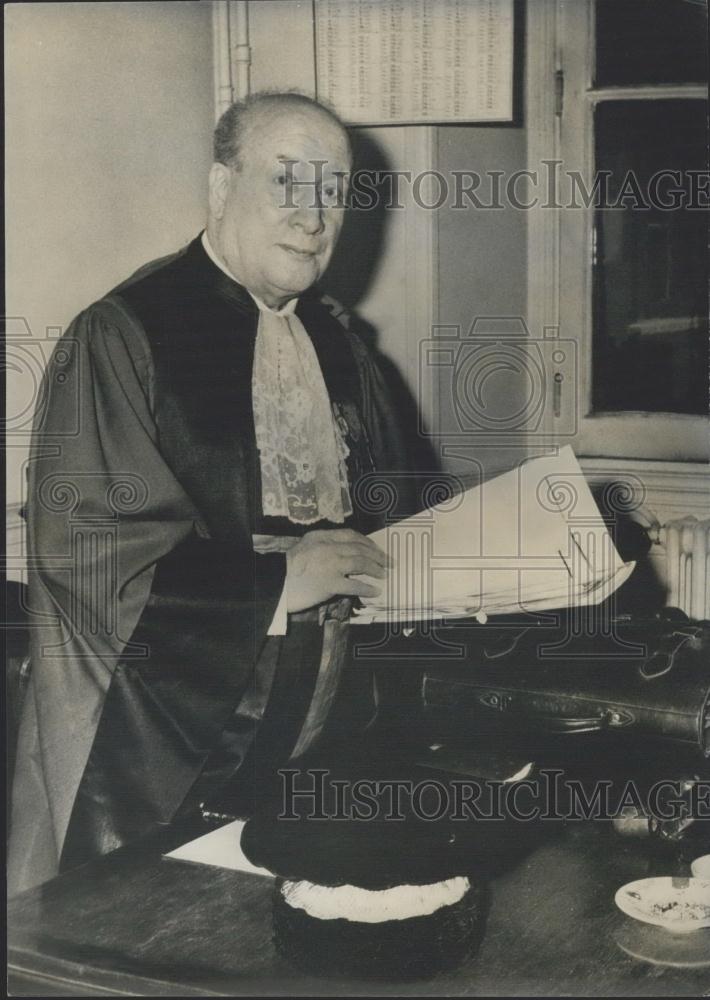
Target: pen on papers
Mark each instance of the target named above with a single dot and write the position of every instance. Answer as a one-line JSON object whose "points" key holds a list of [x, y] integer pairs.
{"points": [[581, 550], [559, 552]]}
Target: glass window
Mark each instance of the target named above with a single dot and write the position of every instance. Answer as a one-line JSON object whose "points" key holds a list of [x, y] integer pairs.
{"points": [[651, 41], [650, 294]]}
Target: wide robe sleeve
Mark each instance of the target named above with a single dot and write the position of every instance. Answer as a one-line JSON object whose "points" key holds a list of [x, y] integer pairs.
{"points": [[131, 601]]}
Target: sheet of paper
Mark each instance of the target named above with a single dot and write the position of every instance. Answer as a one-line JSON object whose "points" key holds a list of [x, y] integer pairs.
{"points": [[387, 61], [220, 848], [531, 539]]}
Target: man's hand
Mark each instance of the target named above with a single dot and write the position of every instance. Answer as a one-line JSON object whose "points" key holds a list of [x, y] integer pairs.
{"points": [[323, 563]]}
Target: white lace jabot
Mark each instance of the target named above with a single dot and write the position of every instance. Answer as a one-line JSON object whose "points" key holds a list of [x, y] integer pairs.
{"points": [[302, 451], [301, 448]]}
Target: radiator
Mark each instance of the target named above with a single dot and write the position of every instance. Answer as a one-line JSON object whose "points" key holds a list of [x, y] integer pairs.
{"points": [[687, 545]]}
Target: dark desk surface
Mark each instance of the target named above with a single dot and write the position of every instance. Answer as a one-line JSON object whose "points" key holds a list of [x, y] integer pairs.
{"points": [[136, 924]]}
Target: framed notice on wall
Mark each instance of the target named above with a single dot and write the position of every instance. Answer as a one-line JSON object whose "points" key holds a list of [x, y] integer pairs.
{"points": [[397, 62]]}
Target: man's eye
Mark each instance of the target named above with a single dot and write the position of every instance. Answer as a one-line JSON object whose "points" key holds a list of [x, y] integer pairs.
{"points": [[332, 195]]}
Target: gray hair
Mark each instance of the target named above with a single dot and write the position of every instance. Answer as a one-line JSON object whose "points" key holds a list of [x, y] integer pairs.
{"points": [[233, 124]]}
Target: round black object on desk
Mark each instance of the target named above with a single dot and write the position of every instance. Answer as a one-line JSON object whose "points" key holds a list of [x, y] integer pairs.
{"points": [[371, 898], [410, 947]]}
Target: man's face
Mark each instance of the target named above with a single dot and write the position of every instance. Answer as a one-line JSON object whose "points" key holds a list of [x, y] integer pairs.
{"points": [[275, 221]]}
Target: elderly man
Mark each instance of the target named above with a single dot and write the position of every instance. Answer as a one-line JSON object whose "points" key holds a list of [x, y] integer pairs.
{"points": [[188, 543]]}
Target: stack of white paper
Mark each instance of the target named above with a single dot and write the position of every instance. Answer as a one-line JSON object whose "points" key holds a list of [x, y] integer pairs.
{"points": [[529, 540]]}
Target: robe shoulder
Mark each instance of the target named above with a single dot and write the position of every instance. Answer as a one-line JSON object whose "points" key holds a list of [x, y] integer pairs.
{"points": [[111, 334], [148, 269], [111, 331]]}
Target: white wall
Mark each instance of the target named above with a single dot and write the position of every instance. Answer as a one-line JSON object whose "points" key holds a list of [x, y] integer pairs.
{"points": [[109, 113], [482, 273]]}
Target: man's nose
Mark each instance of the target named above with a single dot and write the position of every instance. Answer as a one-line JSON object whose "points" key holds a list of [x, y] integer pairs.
{"points": [[308, 217]]}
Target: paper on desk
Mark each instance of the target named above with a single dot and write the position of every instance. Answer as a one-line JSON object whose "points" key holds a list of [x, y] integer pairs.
{"points": [[220, 848], [531, 539]]}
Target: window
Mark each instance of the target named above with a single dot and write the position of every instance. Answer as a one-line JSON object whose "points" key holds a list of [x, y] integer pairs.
{"points": [[629, 240], [649, 259]]}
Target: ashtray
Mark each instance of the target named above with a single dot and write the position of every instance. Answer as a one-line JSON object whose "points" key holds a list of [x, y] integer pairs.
{"points": [[676, 904]]}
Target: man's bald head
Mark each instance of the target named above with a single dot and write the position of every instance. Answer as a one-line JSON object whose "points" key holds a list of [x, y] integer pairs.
{"points": [[232, 130]]}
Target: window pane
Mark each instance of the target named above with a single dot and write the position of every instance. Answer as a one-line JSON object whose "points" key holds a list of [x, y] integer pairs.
{"points": [[651, 41], [650, 346]]}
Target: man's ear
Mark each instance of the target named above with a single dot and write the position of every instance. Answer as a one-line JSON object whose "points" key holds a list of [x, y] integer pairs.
{"points": [[218, 188]]}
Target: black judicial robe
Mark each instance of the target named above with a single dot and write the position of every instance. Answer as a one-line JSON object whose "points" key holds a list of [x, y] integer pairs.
{"points": [[150, 608]]}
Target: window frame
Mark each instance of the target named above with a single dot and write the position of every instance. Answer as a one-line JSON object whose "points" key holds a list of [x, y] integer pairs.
{"points": [[560, 106]]}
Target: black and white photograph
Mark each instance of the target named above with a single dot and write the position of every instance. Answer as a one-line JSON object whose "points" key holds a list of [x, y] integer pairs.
{"points": [[357, 448]]}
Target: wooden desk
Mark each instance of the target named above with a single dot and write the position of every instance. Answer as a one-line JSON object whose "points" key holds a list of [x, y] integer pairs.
{"points": [[138, 925]]}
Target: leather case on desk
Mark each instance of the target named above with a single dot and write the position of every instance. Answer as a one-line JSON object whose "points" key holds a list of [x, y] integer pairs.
{"points": [[647, 680]]}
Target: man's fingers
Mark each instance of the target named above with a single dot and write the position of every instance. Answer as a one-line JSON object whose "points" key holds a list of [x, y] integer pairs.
{"points": [[354, 541], [348, 534], [362, 547], [362, 564], [379, 555], [335, 536], [376, 551], [358, 588], [354, 551], [384, 558], [324, 563]]}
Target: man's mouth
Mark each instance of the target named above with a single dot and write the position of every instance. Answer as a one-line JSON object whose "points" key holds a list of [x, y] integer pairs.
{"points": [[298, 252]]}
